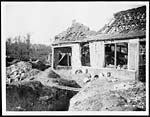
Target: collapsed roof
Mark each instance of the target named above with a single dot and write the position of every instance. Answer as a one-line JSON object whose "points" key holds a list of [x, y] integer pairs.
{"points": [[127, 21], [130, 23], [77, 31]]}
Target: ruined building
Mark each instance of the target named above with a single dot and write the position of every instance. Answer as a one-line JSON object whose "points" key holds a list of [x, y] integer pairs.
{"points": [[119, 47]]}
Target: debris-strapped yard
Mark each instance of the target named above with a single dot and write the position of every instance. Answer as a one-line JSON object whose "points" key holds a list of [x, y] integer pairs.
{"points": [[101, 95], [48, 91], [29, 89], [33, 86]]}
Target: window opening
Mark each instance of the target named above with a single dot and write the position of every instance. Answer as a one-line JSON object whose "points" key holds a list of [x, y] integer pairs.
{"points": [[116, 55], [85, 54]]}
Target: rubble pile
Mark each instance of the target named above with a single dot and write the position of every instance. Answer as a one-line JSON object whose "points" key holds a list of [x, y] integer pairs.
{"points": [[20, 71], [76, 32], [31, 74], [29, 89], [133, 93], [100, 95]]}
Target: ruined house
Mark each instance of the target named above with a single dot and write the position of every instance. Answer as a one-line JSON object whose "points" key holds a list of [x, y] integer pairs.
{"points": [[119, 47]]}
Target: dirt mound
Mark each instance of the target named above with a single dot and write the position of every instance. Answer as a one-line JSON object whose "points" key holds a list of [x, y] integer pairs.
{"points": [[65, 82], [39, 65], [53, 74], [100, 95], [49, 73], [33, 96], [50, 77], [31, 75]]}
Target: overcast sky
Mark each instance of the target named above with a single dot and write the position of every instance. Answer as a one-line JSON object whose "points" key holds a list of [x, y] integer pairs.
{"points": [[44, 20]]}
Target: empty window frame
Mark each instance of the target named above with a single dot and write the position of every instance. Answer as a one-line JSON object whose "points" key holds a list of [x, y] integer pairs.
{"points": [[122, 55], [142, 61], [110, 55], [62, 56], [116, 55], [64, 59], [142, 53], [85, 54]]}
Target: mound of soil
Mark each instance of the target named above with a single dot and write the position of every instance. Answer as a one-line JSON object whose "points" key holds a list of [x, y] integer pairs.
{"points": [[31, 75], [39, 65], [65, 82], [33, 96], [52, 74], [51, 78], [100, 95]]}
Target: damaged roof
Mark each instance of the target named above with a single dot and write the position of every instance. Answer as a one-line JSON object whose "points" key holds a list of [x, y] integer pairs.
{"points": [[77, 31], [125, 24], [127, 21]]}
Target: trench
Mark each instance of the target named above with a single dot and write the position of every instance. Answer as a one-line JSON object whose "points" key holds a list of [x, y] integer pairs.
{"points": [[33, 96]]}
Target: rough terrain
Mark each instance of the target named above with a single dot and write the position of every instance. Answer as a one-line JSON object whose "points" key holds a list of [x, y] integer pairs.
{"points": [[33, 96], [101, 95], [30, 89]]}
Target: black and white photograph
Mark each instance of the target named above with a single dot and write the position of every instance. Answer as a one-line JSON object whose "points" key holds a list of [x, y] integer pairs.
{"points": [[75, 58]]}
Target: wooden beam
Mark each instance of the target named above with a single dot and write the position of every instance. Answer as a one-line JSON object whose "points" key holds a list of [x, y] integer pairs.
{"points": [[68, 59], [115, 57]]}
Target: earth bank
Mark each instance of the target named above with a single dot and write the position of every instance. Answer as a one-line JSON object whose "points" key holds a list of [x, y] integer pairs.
{"points": [[30, 89]]}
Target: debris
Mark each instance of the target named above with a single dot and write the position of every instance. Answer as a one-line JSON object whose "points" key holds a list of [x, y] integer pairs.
{"points": [[78, 71], [95, 77], [76, 32], [86, 79], [126, 21], [122, 86], [20, 71], [110, 78], [100, 95]]}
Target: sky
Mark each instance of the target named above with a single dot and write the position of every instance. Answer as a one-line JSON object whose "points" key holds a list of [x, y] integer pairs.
{"points": [[44, 20]]}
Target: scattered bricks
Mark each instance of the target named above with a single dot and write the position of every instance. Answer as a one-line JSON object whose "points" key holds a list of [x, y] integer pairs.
{"points": [[20, 71], [122, 86], [86, 79]]}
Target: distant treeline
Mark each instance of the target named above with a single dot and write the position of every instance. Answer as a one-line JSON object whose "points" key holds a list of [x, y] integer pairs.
{"points": [[20, 48], [41, 52]]}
